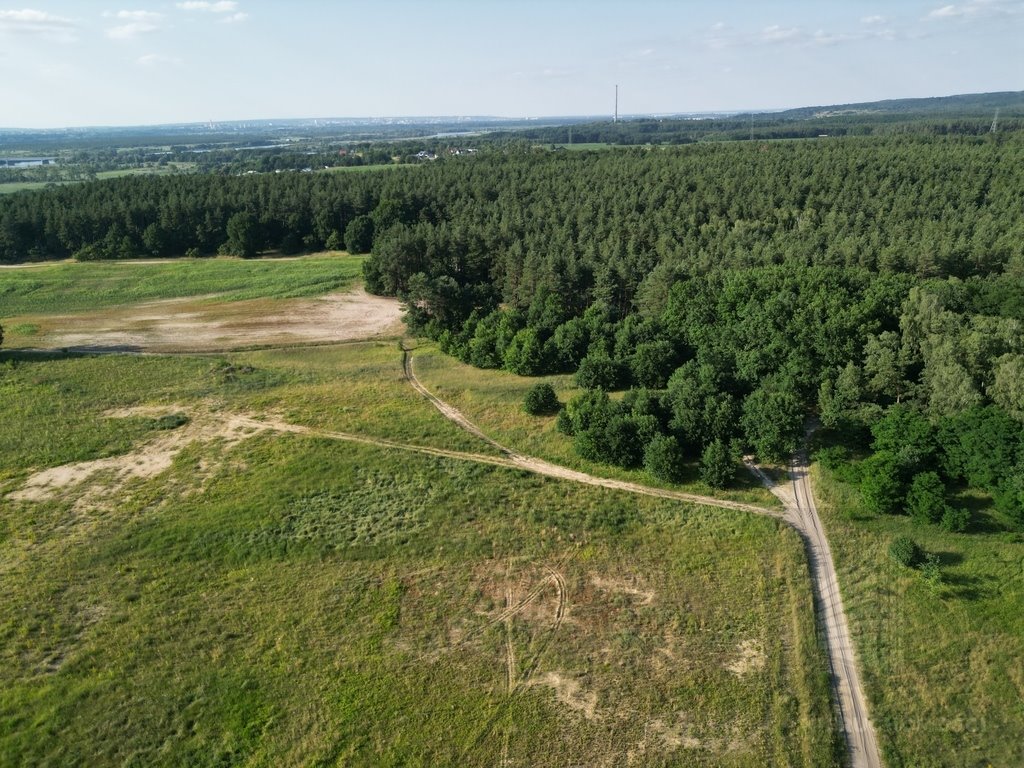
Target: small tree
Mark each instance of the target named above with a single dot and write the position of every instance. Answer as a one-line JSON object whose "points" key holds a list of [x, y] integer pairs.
{"points": [[904, 550], [926, 499], [882, 483], [541, 400], [664, 459], [335, 242], [717, 468]]}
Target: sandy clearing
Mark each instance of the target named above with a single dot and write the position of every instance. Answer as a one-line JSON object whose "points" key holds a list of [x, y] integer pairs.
{"points": [[570, 693], [750, 658], [800, 513], [147, 460], [196, 324]]}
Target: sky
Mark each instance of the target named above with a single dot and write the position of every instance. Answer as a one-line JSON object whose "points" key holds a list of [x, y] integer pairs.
{"points": [[119, 62]]}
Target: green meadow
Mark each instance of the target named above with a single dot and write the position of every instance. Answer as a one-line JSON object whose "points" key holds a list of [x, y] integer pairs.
{"points": [[75, 287], [278, 598], [941, 661]]}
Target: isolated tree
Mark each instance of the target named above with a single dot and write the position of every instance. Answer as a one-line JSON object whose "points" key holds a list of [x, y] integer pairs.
{"points": [[541, 400]]}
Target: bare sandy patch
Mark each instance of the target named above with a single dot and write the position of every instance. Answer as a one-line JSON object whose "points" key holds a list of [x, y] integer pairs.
{"points": [[197, 324], [750, 658], [674, 735], [570, 693], [619, 586], [148, 460]]}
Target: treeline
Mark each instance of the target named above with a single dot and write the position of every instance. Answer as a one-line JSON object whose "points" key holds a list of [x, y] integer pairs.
{"points": [[737, 288], [764, 127]]}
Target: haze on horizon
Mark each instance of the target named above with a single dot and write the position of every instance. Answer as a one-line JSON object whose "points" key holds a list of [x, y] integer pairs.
{"points": [[83, 62]]}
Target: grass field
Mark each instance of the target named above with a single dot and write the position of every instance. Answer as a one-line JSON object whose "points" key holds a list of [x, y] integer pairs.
{"points": [[7, 188], [942, 664], [287, 599], [75, 287], [494, 401]]}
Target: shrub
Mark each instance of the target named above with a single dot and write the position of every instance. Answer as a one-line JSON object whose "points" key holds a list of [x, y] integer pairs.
{"points": [[931, 572], [717, 467], [541, 400], [955, 520], [926, 499], [663, 458], [600, 372], [904, 550]]}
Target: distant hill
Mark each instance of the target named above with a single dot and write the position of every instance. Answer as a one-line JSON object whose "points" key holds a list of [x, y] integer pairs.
{"points": [[969, 104]]}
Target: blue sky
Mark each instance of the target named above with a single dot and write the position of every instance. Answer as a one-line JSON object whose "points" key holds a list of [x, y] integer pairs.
{"points": [[120, 62]]}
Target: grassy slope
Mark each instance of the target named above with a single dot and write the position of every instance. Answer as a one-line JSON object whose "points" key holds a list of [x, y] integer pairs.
{"points": [[76, 287], [302, 608], [943, 667], [494, 401]]}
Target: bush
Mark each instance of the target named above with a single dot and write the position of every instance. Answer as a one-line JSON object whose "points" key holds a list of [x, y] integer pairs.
{"points": [[663, 458], [926, 499], [955, 520], [600, 372], [541, 400], [717, 467], [904, 550]]}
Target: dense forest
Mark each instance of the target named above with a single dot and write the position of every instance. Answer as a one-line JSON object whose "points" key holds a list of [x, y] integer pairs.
{"points": [[876, 283]]}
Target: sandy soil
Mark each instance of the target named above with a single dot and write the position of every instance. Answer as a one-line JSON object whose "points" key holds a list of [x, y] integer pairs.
{"points": [[197, 325]]}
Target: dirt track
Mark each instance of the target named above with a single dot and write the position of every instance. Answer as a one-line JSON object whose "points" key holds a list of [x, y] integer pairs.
{"points": [[800, 514]]}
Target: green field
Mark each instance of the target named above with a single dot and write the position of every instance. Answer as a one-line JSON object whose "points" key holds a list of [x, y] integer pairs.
{"points": [[274, 598], [942, 664], [76, 287]]}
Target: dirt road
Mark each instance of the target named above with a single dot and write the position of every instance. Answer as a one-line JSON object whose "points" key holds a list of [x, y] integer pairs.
{"points": [[801, 514]]}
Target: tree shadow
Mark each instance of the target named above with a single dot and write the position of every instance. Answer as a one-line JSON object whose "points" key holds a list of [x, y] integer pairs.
{"points": [[33, 354]]}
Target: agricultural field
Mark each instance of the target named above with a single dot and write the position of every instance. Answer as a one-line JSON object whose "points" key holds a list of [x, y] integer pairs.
{"points": [[202, 567], [51, 288], [941, 661]]}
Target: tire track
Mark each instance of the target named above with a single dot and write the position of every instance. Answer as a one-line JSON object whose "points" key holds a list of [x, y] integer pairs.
{"points": [[802, 516]]}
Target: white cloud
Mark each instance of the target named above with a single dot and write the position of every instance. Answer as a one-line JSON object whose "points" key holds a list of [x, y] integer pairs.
{"points": [[219, 6], [234, 18], [156, 59], [778, 34], [150, 16], [978, 9], [131, 30], [32, 22], [873, 20]]}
